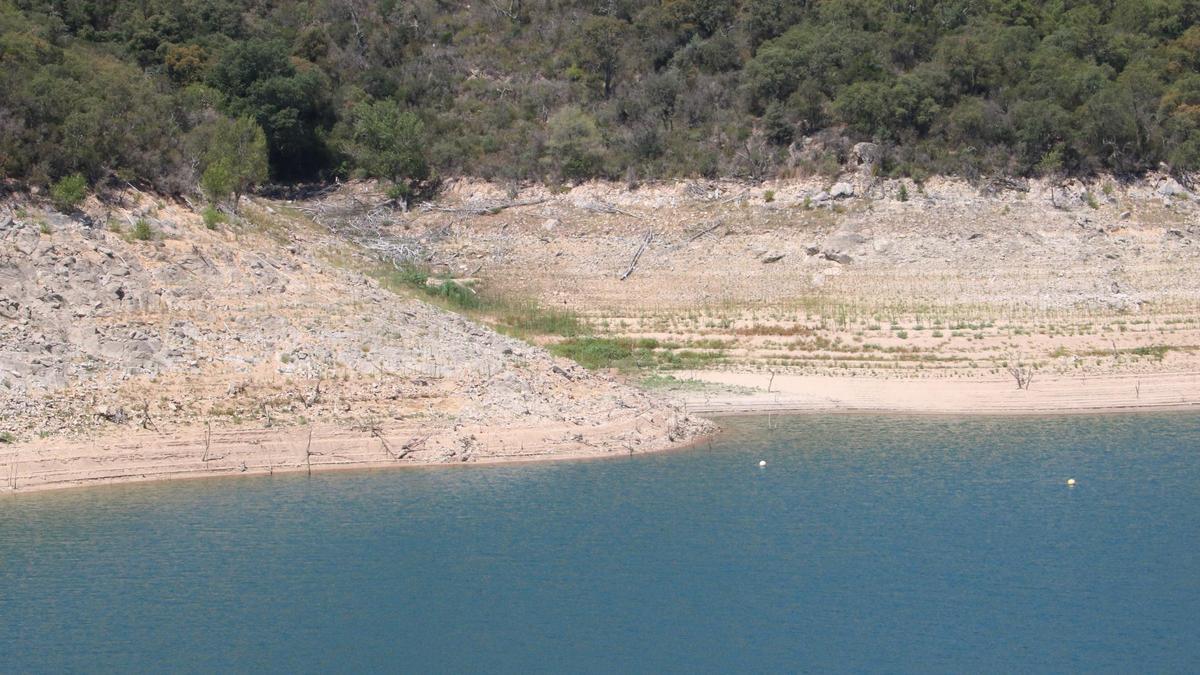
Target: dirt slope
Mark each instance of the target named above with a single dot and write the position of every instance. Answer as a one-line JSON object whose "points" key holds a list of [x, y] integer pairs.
{"points": [[257, 346]]}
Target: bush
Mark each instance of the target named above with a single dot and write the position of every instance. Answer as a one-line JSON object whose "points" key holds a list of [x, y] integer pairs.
{"points": [[212, 217], [769, 196], [903, 196], [142, 231], [68, 192]]}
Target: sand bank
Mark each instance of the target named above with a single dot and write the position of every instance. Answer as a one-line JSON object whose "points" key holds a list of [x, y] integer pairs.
{"points": [[146, 456], [1049, 394]]}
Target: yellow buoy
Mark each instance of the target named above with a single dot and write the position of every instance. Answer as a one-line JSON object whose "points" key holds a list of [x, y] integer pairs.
{"points": [[1071, 482]]}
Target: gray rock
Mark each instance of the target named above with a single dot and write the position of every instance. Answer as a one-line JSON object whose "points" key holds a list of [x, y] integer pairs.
{"points": [[837, 257], [841, 190], [772, 257], [1170, 188], [867, 154]]}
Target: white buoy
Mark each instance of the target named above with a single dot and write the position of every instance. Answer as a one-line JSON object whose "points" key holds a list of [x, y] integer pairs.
{"points": [[762, 462], [1070, 482]]}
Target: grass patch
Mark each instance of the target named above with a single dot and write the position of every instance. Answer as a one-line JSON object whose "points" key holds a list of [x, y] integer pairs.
{"points": [[530, 318], [515, 317], [629, 354], [7, 437]]}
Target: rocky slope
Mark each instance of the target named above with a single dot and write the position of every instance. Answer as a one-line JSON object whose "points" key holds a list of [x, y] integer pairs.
{"points": [[131, 327], [857, 275]]}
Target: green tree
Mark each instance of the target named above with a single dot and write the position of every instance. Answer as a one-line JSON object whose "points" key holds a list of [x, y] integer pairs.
{"points": [[236, 159], [387, 142], [601, 39], [575, 145]]}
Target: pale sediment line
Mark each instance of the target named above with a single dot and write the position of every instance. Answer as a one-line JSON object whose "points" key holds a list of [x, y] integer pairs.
{"points": [[1049, 394], [146, 456]]}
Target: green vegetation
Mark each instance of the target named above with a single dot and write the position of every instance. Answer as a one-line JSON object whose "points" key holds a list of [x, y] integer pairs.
{"points": [[235, 159], [518, 317], [631, 354], [212, 217], [7, 437], [142, 231], [68, 192], [229, 93]]}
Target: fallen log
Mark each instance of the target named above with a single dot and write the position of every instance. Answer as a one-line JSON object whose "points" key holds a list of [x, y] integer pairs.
{"points": [[637, 256]]}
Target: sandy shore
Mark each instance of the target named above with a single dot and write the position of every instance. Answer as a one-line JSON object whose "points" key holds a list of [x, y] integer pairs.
{"points": [[148, 456], [145, 456], [1048, 394]]}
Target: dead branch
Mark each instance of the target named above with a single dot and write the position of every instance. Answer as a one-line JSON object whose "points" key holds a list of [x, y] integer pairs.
{"points": [[637, 256], [147, 422], [596, 206], [378, 433], [703, 232], [483, 208], [1022, 374]]}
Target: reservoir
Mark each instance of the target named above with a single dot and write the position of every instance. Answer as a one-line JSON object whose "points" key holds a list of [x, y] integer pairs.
{"points": [[866, 543]]}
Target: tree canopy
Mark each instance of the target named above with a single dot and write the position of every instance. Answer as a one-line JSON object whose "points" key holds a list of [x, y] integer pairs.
{"points": [[573, 89]]}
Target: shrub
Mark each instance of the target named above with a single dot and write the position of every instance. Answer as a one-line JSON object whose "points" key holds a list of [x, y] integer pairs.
{"points": [[903, 192], [68, 192], [769, 196], [212, 217], [142, 230]]}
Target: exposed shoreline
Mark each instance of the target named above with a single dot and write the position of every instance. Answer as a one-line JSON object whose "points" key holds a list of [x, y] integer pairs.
{"points": [[146, 456], [1054, 395]]}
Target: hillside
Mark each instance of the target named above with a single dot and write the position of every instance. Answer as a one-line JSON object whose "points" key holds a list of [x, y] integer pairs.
{"points": [[527, 90], [136, 343], [811, 300]]}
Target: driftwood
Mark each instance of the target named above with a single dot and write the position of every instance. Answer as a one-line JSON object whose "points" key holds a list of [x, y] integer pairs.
{"points": [[481, 208], [378, 433], [605, 207], [705, 231], [637, 256]]}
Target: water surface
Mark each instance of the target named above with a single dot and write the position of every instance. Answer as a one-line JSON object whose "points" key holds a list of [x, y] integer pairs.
{"points": [[868, 543]]}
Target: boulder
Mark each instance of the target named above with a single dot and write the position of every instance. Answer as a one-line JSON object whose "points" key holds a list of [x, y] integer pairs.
{"points": [[772, 257], [841, 190], [867, 155], [1170, 188]]}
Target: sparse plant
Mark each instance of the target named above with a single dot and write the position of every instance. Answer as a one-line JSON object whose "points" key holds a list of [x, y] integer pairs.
{"points": [[903, 196], [212, 217], [142, 230], [7, 437], [1022, 373], [769, 196]]}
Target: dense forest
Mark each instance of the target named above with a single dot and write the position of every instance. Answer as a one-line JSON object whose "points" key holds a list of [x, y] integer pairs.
{"points": [[221, 94]]}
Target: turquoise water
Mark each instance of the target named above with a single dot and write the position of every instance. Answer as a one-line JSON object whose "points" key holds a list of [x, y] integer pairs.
{"points": [[873, 543]]}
